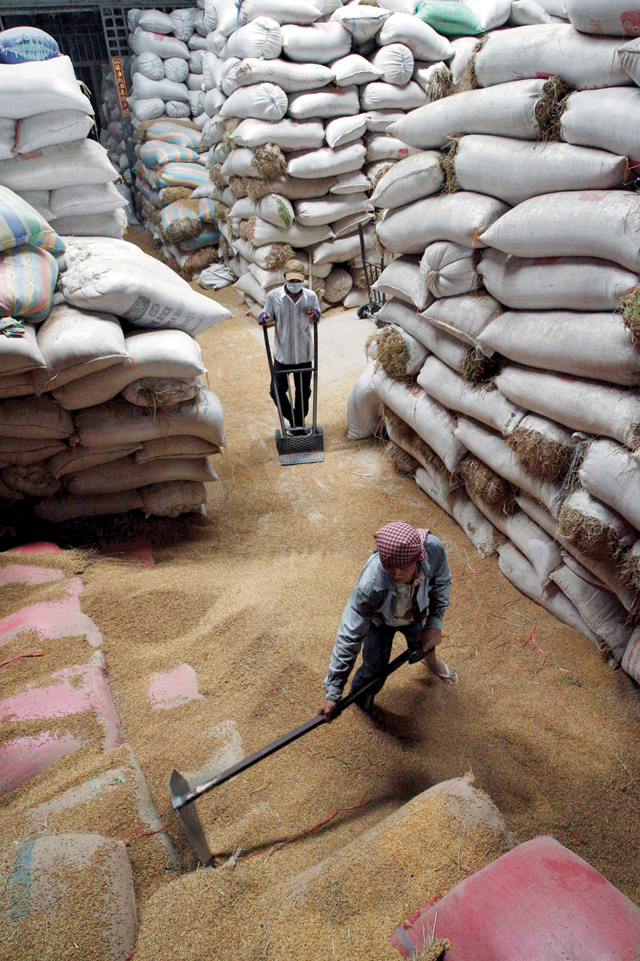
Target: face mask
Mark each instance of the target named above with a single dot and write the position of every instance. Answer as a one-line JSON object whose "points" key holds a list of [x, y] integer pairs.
{"points": [[294, 286]]}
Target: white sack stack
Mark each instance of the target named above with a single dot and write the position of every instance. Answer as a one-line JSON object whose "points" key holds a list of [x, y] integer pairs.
{"points": [[515, 232]]}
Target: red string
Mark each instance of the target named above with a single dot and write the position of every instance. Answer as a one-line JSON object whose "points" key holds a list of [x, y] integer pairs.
{"points": [[141, 834], [532, 638], [18, 656], [294, 837]]}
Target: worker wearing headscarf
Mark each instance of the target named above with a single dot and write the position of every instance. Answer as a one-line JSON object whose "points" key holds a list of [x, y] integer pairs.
{"points": [[404, 587]]}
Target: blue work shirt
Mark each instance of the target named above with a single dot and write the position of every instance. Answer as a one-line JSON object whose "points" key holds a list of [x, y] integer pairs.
{"points": [[373, 601]]}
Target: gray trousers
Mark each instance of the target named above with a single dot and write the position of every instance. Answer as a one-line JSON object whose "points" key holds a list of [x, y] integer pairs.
{"points": [[376, 653]]}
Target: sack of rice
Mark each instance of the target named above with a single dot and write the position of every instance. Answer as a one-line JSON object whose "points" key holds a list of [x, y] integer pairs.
{"points": [[285, 133], [145, 89], [547, 50], [493, 450], [612, 475], [75, 343], [326, 162], [594, 223], [21, 355], [47, 129], [317, 43], [263, 101], [594, 528], [409, 180], [312, 213], [606, 119], [544, 448], [354, 69], [177, 446], [21, 225], [466, 18], [111, 224], [461, 217], [381, 147], [126, 474], [363, 414], [284, 11], [562, 283], [160, 354], [344, 130], [517, 110], [353, 182], [388, 96], [326, 103], [515, 170], [423, 42], [148, 109], [450, 269], [172, 498], [593, 345], [403, 279], [144, 292], [118, 422], [581, 405], [395, 63], [452, 391], [601, 609], [527, 12], [28, 277], [617, 18], [629, 60], [37, 86], [432, 422], [456, 503], [165, 46], [517, 569], [37, 417], [64, 165], [291, 77], [362, 21], [260, 38], [398, 353]]}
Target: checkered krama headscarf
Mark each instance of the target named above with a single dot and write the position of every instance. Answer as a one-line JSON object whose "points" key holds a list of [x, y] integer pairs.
{"points": [[400, 544]]}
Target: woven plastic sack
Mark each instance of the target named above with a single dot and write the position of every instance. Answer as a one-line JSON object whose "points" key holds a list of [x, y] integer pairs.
{"points": [[599, 607], [54, 127], [423, 42], [25, 44], [148, 109], [155, 21], [459, 18], [363, 417], [354, 69], [395, 63], [581, 405], [317, 43], [21, 224], [75, 343], [337, 286], [409, 180], [560, 283], [66, 165], [388, 96], [344, 130], [450, 269], [39, 86], [603, 224], [362, 21], [261, 38], [177, 174], [516, 170], [547, 50], [312, 213], [507, 111], [527, 13], [611, 473], [326, 162], [284, 11], [615, 18], [183, 22], [28, 277], [150, 65], [461, 217], [145, 41], [629, 57], [606, 119], [403, 279], [170, 132], [291, 77], [126, 474], [324, 104], [264, 101]]}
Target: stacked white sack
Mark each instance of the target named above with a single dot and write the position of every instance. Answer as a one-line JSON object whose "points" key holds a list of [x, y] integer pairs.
{"points": [[539, 289], [102, 407], [300, 98], [171, 191], [46, 156]]}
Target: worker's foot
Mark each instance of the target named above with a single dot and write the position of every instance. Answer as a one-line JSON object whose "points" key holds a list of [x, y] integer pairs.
{"points": [[365, 703], [443, 672]]}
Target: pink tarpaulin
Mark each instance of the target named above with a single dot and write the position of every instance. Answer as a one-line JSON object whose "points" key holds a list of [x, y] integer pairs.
{"points": [[39, 547], [53, 619], [539, 902], [174, 688], [26, 757], [29, 574], [73, 691]]}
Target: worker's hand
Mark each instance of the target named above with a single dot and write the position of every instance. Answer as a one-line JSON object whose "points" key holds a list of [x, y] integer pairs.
{"points": [[264, 318], [329, 709], [429, 639], [314, 315]]}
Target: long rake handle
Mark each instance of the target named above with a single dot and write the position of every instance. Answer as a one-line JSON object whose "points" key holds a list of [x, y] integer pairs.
{"points": [[300, 731]]}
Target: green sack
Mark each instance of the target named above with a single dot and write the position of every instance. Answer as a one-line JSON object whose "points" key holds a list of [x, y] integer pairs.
{"points": [[449, 17]]}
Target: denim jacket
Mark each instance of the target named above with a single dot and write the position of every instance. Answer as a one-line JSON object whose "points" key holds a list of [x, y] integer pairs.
{"points": [[373, 601]]}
